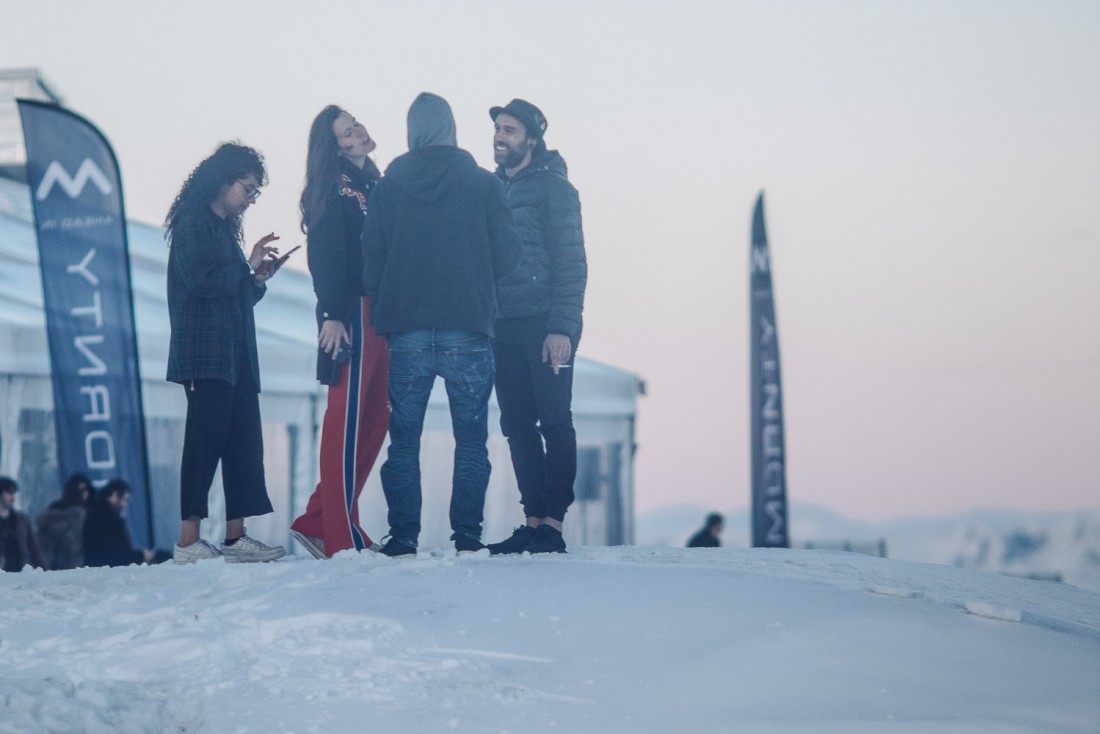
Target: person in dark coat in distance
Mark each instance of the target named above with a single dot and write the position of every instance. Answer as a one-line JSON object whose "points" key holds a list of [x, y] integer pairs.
{"points": [[540, 327], [351, 358], [707, 537], [437, 240], [107, 540], [18, 547], [61, 525], [212, 290]]}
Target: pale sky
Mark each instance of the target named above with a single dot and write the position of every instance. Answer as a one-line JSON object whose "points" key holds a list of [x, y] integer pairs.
{"points": [[932, 177]]}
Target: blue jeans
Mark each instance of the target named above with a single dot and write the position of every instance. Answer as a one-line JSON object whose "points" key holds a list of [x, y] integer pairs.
{"points": [[464, 359]]}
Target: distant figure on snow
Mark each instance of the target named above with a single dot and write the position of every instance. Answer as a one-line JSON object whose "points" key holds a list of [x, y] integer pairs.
{"points": [[17, 544], [61, 525], [107, 539], [708, 536]]}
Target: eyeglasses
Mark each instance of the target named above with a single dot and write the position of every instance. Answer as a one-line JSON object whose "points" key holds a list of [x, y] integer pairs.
{"points": [[251, 191]]}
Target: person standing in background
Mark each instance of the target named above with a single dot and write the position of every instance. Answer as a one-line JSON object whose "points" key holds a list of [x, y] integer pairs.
{"points": [[61, 525], [18, 547], [707, 537], [351, 358], [107, 540], [212, 289]]}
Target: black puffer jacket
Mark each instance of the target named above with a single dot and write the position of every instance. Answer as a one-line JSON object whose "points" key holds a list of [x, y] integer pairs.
{"points": [[553, 272]]}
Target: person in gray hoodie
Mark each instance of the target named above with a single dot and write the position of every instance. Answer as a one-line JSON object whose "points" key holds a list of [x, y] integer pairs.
{"points": [[437, 239]]}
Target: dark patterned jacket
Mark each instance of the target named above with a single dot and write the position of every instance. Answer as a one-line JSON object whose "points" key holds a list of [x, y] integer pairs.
{"points": [[552, 275], [336, 257], [61, 536], [18, 546], [211, 293]]}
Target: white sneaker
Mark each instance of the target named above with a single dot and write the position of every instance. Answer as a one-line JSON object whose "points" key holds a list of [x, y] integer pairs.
{"points": [[197, 551], [315, 546], [250, 550]]}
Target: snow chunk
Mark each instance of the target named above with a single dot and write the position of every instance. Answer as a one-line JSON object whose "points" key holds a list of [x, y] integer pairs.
{"points": [[895, 591], [992, 611]]}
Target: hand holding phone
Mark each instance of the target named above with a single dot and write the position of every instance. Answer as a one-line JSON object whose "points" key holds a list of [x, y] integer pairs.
{"points": [[278, 262]]}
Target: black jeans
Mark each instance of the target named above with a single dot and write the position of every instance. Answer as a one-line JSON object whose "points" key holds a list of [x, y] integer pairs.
{"points": [[223, 424], [536, 417]]}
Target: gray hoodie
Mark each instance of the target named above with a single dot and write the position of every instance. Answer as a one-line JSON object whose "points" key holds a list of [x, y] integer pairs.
{"points": [[431, 122]]}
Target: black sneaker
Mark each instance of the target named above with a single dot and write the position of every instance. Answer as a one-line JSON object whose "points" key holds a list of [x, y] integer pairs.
{"points": [[546, 540], [394, 548], [515, 543], [464, 545]]}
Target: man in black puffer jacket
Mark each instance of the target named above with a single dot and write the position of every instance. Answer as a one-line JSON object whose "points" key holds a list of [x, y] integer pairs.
{"points": [[536, 339], [106, 536], [437, 239]]}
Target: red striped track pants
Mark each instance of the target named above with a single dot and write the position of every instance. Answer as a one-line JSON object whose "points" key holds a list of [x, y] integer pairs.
{"points": [[354, 428]]}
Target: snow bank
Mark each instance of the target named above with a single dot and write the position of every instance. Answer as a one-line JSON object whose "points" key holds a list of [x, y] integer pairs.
{"points": [[601, 640]]}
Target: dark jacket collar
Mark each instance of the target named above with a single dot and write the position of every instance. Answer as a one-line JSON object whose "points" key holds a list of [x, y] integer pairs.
{"points": [[547, 160]]}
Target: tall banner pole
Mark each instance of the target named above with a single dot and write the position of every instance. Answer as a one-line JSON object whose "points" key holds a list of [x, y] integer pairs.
{"points": [[769, 473], [87, 293]]}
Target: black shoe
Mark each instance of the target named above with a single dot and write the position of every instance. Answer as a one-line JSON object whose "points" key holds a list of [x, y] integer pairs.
{"points": [[464, 545], [394, 548], [515, 543], [546, 540]]}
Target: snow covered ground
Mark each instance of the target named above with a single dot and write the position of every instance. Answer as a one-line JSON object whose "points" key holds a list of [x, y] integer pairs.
{"points": [[607, 640]]}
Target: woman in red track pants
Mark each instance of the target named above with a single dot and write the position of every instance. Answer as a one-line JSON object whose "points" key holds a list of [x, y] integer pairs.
{"points": [[351, 358]]}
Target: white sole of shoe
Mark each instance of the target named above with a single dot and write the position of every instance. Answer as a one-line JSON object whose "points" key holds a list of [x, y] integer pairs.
{"points": [[185, 560], [271, 555], [253, 559], [307, 542]]}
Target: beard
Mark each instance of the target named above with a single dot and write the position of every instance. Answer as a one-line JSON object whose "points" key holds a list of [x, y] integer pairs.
{"points": [[510, 157]]}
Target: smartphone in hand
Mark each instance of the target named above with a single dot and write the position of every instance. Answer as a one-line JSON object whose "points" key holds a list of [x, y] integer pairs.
{"points": [[279, 261], [344, 353]]}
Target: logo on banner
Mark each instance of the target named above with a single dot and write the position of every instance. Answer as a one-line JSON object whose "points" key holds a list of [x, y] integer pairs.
{"points": [[73, 185]]}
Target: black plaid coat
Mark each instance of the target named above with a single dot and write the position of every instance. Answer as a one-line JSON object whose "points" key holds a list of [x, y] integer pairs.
{"points": [[211, 294]]}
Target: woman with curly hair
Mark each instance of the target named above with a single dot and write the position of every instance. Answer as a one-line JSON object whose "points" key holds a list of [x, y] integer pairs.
{"points": [[351, 359], [212, 289]]}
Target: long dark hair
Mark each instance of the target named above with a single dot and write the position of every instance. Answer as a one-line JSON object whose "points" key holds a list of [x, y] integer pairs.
{"points": [[229, 163], [323, 167], [73, 493]]}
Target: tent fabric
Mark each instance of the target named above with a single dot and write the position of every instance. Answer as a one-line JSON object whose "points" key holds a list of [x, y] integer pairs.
{"points": [[605, 400]]}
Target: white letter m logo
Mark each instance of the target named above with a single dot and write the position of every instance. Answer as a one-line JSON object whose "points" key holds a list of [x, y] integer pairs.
{"points": [[89, 171]]}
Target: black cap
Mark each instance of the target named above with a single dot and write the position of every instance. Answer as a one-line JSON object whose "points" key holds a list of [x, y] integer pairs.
{"points": [[531, 116]]}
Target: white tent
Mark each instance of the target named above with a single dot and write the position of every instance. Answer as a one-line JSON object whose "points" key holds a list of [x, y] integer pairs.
{"points": [[292, 403]]}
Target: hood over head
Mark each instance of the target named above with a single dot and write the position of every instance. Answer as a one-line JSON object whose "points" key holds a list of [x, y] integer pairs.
{"points": [[431, 122]]}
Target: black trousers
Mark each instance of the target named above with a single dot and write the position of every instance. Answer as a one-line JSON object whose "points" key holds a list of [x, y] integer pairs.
{"points": [[536, 416], [223, 425]]}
